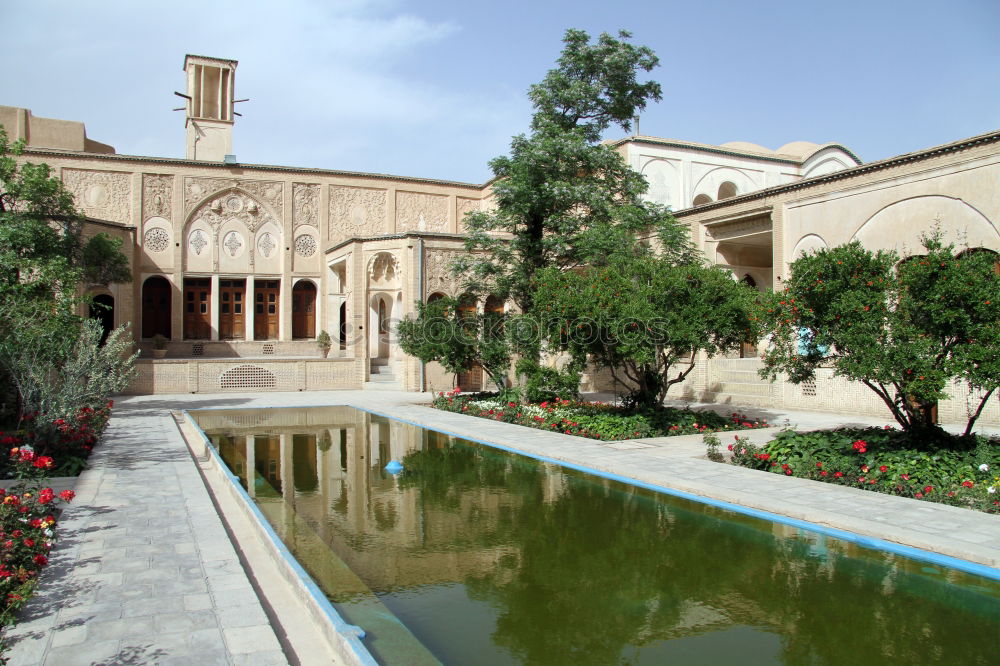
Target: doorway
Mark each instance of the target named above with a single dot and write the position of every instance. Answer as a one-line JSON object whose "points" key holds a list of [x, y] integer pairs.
{"points": [[265, 314], [232, 315], [304, 310], [197, 308], [156, 307]]}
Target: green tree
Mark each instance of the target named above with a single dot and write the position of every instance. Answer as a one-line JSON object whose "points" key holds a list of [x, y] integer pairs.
{"points": [[906, 330], [44, 260], [458, 339], [646, 318], [562, 198]]}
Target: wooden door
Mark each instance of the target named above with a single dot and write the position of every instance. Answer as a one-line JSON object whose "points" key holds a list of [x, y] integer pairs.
{"points": [[197, 308], [156, 307], [304, 310], [232, 315], [265, 310]]}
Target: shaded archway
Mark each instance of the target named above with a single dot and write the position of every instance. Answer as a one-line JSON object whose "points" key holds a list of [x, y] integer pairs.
{"points": [[156, 307], [727, 190], [304, 310], [748, 349], [102, 308], [471, 379], [701, 199]]}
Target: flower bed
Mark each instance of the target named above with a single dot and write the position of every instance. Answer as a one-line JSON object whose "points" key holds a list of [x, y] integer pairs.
{"points": [[69, 441], [961, 471], [595, 420], [28, 513]]}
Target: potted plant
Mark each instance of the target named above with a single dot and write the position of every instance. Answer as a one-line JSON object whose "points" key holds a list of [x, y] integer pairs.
{"points": [[324, 343], [159, 346]]}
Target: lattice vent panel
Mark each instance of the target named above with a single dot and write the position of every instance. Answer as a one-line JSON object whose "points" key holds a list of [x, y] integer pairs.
{"points": [[247, 377]]}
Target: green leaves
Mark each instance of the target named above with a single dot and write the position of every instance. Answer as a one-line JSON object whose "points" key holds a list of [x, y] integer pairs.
{"points": [[907, 329]]}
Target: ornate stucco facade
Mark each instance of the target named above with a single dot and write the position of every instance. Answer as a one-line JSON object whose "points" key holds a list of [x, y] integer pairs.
{"points": [[241, 266]]}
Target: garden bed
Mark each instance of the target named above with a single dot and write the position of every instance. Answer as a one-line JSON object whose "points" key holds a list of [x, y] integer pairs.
{"points": [[935, 466], [594, 420]]}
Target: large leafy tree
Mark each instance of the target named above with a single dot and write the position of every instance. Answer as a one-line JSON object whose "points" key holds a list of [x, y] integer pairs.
{"points": [[905, 329], [562, 198], [646, 318]]}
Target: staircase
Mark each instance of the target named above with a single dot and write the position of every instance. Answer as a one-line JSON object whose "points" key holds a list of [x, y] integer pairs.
{"points": [[381, 377]]}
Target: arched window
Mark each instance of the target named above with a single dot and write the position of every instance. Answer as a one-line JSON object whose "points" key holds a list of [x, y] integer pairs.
{"points": [[436, 296], [304, 309], [102, 309], [156, 307], [701, 200], [343, 326], [383, 317], [727, 190]]}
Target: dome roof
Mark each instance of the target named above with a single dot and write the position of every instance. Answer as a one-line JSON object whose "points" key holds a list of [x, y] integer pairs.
{"points": [[746, 146], [800, 149]]}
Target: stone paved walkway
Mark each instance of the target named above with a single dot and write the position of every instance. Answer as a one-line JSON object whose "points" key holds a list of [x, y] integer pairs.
{"points": [[145, 572]]}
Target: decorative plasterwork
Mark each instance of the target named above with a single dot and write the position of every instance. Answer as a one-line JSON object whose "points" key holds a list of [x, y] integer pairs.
{"points": [[198, 241], [233, 204], [267, 192], [156, 240], [266, 244], [421, 212], [356, 211], [105, 195], [233, 242], [305, 204], [383, 270], [305, 245], [437, 269], [157, 195]]}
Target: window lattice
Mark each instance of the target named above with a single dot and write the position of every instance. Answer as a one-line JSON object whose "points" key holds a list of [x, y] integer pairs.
{"points": [[247, 377], [198, 349], [809, 389], [268, 349]]}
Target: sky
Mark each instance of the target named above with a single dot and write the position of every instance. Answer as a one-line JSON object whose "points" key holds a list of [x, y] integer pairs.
{"points": [[436, 88]]}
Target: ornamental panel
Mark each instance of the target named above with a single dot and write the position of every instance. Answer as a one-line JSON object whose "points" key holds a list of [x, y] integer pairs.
{"points": [[157, 196], [305, 204], [305, 245], [105, 195], [356, 211], [416, 211], [156, 240]]}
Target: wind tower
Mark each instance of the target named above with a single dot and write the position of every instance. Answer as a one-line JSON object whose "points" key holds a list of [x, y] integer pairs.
{"points": [[209, 108]]}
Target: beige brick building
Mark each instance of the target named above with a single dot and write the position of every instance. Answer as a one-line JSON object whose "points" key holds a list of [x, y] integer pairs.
{"points": [[241, 266]]}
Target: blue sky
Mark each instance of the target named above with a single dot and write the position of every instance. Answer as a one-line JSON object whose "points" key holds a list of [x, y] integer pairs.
{"points": [[435, 88]]}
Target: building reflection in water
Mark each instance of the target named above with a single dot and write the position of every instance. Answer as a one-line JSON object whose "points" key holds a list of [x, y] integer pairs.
{"points": [[543, 560]]}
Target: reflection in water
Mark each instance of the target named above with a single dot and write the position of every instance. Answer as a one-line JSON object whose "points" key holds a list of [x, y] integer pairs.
{"points": [[472, 555]]}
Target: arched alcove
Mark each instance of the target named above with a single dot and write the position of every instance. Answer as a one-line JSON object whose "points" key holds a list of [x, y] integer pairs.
{"points": [[304, 310], [156, 304]]}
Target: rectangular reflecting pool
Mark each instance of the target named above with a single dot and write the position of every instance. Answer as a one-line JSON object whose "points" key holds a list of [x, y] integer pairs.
{"points": [[472, 555]]}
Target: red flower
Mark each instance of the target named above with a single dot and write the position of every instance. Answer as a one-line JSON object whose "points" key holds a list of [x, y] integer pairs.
{"points": [[882, 468], [968, 484], [904, 477], [919, 495], [788, 472], [40, 560], [838, 474], [819, 464], [823, 473], [928, 489]]}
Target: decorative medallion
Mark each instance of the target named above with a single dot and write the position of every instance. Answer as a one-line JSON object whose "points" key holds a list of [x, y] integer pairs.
{"points": [[233, 204], [156, 240], [266, 244], [233, 242], [198, 241], [305, 245]]}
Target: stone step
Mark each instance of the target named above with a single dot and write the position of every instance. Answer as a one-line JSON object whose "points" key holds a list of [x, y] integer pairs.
{"points": [[382, 386]]}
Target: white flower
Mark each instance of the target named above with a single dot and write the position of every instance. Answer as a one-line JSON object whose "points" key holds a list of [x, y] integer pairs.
{"points": [[984, 468], [991, 489]]}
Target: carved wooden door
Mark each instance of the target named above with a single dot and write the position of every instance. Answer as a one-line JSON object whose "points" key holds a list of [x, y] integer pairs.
{"points": [[197, 308], [266, 311], [232, 313]]}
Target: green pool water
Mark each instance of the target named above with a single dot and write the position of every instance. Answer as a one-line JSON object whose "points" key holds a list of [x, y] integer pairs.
{"points": [[476, 556]]}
